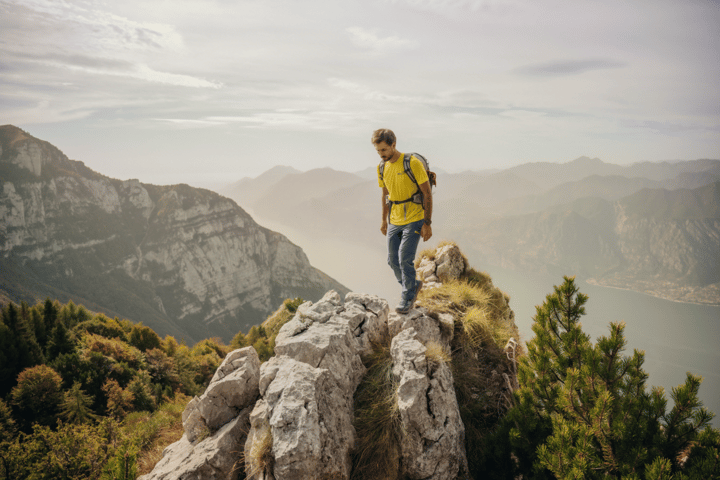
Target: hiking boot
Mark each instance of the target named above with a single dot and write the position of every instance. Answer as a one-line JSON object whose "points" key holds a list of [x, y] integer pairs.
{"points": [[403, 307], [418, 287]]}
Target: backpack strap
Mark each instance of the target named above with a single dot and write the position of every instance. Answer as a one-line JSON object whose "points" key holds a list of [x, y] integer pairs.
{"points": [[408, 171]]}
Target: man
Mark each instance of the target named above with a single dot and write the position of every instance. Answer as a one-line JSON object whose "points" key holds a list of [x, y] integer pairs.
{"points": [[408, 220]]}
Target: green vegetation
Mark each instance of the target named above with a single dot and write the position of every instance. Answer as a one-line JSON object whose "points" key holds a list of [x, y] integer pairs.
{"points": [[73, 385], [262, 337], [84, 396], [583, 409]]}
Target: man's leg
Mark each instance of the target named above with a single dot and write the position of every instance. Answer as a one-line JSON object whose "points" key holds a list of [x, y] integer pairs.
{"points": [[408, 249], [394, 237]]}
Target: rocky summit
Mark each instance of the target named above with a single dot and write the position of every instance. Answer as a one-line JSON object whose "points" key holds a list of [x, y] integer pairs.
{"points": [[293, 417], [184, 261]]}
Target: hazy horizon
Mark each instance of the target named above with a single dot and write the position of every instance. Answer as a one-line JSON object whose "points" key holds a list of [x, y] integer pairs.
{"points": [[207, 92]]}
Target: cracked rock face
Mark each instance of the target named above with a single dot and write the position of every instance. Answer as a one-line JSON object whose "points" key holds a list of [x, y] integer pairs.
{"points": [[215, 424], [307, 389], [432, 445]]}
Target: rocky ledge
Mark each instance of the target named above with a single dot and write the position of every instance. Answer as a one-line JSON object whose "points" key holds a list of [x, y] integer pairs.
{"points": [[292, 417]]}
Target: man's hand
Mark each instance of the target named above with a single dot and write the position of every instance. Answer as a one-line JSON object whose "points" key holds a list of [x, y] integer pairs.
{"points": [[383, 228], [426, 232]]}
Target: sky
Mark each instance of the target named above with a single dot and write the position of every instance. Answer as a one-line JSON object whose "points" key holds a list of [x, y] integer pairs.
{"points": [[206, 92]]}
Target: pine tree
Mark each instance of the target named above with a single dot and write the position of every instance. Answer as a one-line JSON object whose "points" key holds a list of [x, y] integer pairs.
{"points": [[50, 314], [60, 341], [75, 407], [583, 410], [17, 346]]}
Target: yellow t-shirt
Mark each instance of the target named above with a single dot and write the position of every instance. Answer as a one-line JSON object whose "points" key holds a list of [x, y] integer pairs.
{"points": [[401, 187]]}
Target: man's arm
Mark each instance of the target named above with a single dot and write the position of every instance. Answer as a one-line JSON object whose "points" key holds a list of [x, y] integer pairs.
{"points": [[426, 231], [385, 211]]}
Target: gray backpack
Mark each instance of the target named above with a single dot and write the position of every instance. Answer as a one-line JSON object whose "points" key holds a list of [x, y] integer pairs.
{"points": [[417, 197]]}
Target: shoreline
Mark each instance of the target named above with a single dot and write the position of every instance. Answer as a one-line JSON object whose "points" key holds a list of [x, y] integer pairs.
{"points": [[591, 281]]}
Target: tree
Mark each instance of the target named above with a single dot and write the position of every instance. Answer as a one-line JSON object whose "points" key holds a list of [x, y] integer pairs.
{"points": [[37, 396], [142, 391], [119, 400], [583, 410], [76, 406], [7, 424], [18, 346], [60, 341], [144, 338], [50, 314]]}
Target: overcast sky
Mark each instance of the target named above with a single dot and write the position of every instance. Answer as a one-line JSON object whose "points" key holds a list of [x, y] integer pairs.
{"points": [[207, 91]]}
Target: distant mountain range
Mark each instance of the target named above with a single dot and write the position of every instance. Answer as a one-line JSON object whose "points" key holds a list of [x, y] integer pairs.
{"points": [[184, 261], [649, 227]]}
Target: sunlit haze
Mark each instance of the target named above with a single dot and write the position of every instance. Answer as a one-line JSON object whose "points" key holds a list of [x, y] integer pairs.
{"points": [[207, 92]]}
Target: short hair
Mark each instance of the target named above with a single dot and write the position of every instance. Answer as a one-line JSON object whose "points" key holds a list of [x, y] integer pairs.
{"points": [[383, 135]]}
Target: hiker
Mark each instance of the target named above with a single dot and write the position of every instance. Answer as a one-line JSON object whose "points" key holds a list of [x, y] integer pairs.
{"points": [[406, 212]]}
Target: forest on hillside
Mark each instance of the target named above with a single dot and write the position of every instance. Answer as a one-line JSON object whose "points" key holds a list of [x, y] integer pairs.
{"points": [[85, 396]]}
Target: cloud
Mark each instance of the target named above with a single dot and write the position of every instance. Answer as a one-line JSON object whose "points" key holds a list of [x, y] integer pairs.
{"points": [[370, 40], [458, 8], [571, 67], [91, 28], [121, 68]]}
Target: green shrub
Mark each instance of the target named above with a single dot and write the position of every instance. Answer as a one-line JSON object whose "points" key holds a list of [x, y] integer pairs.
{"points": [[583, 409]]}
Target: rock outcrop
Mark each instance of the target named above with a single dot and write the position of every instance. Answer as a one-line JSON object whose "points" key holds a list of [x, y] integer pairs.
{"points": [[215, 424], [184, 261], [302, 424]]}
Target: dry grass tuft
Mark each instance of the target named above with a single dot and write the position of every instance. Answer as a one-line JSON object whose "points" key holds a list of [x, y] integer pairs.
{"points": [[436, 354], [162, 428], [260, 459], [377, 420]]}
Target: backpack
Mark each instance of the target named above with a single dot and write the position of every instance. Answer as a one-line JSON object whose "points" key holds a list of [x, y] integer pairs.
{"points": [[417, 197]]}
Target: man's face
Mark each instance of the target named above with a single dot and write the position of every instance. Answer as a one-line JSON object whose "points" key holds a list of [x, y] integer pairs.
{"points": [[385, 151]]}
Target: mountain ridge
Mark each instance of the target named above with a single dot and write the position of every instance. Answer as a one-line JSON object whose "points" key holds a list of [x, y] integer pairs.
{"points": [[164, 255]]}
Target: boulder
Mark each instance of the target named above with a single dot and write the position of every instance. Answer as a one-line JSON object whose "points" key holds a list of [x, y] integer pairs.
{"points": [[438, 328], [233, 387], [214, 458], [450, 263], [302, 427], [215, 423], [433, 435]]}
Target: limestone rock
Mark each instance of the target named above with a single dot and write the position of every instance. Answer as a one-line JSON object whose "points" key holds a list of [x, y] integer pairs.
{"points": [[213, 458], [233, 387], [307, 415], [450, 263], [432, 445], [436, 328], [306, 409], [215, 423]]}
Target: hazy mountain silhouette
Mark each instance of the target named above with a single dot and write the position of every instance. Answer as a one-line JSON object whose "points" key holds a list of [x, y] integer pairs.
{"points": [[564, 218]]}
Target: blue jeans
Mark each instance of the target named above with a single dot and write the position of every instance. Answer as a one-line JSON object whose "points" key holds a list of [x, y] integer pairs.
{"points": [[402, 241]]}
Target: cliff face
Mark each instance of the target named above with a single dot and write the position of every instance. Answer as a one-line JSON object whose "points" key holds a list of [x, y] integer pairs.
{"points": [[656, 241], [183, 260]]}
